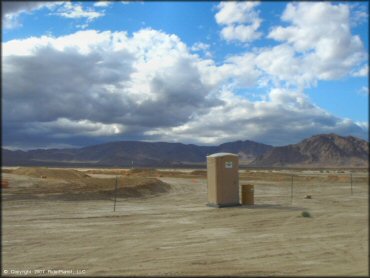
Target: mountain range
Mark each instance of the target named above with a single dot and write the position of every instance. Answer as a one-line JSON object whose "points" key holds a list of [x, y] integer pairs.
{"points": [[328, 150], [325, 150]]}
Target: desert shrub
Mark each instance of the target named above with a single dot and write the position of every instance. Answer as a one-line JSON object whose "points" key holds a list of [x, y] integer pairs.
{"points": [[305, 214]]}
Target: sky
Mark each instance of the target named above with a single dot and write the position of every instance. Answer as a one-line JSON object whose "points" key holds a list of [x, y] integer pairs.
{"points": [[76, 74]]}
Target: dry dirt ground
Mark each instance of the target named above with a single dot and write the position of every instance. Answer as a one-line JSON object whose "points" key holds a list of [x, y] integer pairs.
{"points": [[171, 231]]}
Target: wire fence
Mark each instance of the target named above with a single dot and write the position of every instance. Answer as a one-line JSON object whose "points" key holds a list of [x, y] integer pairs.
{"points": [[285, 189]]}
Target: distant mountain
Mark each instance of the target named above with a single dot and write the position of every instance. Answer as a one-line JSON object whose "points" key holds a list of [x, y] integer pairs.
{"points": [[128, 153], [325, 150], [143, 153], [247, 150]]}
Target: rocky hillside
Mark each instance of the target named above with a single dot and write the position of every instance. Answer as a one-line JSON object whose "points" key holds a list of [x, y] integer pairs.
{"points": [[326, 150]]}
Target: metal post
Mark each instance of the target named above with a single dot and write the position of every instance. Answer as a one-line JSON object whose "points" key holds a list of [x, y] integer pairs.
{"points": [[351, 185], [291, 191], [115, 194]]}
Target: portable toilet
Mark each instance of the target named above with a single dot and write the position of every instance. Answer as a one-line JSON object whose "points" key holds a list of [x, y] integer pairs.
{"points": [[223, 179]]}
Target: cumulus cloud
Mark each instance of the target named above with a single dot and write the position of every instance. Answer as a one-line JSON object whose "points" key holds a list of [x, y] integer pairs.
{"points": [[284, 118], [317, 44], [73, 10], [243, 33], [361, 72], [280, 64], [12, 9], [240, 21], [202, 48], [102, 4], [364, 125], [102, 79], [321, 38], [359, 13], [63, 127], [15, 7], [364, 90], [236, 12], [92, 86]]}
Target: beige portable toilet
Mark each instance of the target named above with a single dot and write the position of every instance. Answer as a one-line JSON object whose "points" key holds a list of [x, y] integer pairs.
{"points": [[223, 179]]}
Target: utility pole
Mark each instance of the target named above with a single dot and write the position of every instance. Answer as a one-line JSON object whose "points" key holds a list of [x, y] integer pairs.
{"points": [[351, 185]]}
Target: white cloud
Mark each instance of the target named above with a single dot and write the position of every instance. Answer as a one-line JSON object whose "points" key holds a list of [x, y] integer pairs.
{"points": [[359, 14], [285, 117], [83, 42], [63, 127], [362, 72], [235, 72], [101, 4], [242, 70], [236, 12], [240, 21], [149, 79], [151, 85], [243, 33], [71, 10], [364, 90], [317, 44], [320, 34], [10, 21], [12, 9], [82, 26], [16, 7], [281, 64], [201, 47], [363, 125]]}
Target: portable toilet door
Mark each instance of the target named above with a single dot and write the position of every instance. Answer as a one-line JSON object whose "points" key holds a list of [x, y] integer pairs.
{"points": [[223, 179]]}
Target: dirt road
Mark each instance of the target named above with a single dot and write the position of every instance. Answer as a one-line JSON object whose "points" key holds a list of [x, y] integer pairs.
{"points": [[175, 233]]}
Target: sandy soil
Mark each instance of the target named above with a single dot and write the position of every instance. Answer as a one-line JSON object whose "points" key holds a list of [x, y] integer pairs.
{"points": [[175, 233]]}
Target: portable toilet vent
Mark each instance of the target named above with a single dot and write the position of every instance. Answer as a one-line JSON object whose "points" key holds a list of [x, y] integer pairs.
{"points": [[223, 179]]}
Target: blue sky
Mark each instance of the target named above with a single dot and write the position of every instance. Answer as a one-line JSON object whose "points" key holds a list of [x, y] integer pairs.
{"points": [[82, 73]]}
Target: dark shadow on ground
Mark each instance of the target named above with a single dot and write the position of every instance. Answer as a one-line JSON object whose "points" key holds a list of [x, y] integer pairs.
{"points": [[264, 206], [272, 206]]}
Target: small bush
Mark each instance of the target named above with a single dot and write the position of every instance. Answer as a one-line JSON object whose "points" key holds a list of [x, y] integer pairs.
{"points": [[305, 214]]}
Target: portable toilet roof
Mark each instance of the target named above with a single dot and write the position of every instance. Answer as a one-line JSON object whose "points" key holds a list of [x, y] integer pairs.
{"points": [[221, 154]]}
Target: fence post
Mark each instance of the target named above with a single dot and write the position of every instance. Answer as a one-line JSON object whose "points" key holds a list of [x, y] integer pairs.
{"points": [[115, 195], [291, 192]]}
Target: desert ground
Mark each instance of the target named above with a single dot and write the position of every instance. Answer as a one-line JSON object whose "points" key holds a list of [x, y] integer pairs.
{"points": [[63, 223]]}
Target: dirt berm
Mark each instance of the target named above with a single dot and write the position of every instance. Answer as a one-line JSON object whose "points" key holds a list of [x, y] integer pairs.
{"points": [[68, 184]]}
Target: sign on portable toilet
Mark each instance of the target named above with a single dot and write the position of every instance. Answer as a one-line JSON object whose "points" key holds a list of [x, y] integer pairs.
{"points": [[223, 179]]}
